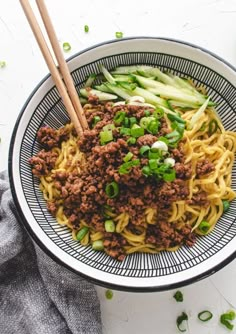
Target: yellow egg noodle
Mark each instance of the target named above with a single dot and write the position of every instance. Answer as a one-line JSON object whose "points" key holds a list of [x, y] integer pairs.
{"points": [[218, 148]]}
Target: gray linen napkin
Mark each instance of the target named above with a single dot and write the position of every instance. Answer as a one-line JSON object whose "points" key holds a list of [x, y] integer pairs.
{"points": [[38, 296]]}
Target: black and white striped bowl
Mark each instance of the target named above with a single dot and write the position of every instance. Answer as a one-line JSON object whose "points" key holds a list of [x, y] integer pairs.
{"points": [[138, 272]]}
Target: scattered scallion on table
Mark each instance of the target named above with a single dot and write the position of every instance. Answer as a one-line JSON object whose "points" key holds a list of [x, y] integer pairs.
{"points": [[205, 315], [225, 319], [86, 28], [178, 296], [109, 294], [179, 322], [2, 63], [66, 46], [119, 34]]}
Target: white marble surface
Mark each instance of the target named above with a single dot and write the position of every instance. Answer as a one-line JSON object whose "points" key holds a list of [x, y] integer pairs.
{"points": [[208, 23]]}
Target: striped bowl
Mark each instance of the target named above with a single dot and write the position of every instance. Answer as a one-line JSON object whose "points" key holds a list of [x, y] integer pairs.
{"points": [[138, 272]]}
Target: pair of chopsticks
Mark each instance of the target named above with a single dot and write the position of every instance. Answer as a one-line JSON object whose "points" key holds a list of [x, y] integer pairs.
{"points": [[66, 88]]}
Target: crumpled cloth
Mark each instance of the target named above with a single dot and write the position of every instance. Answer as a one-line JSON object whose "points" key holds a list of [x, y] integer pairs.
{"points": [[38, 296]]}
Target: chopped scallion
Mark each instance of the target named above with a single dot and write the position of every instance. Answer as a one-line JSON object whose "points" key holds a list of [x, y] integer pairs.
{"points": [[136, 131], [96, 119], [179, 321], [205, 316], [66, 46], [109, 294], [98, 245], [178, 296], [86, 28], [213, 126], [110, 226], [119, 117], [128, 157], [106, 136], [126, 167], [144, 150], [82, 233], [119, 34], [112, 189], [131, 141], [226, 205], [2, 63], [204, 227]]}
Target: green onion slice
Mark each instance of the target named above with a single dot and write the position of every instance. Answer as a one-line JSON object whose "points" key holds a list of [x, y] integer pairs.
{"points": [[179, 321], [131, 141], [178, 296], [110, 226], [126, 167], [153, 127], [96, 119], [109, 294], [226, 317], [82, 233], [169, 176], [66, 46], [136, 131], [204, 227], [205, 315], [213, 126], [132, 121], [2, 63], [125, 131], [98, 245], [86, 28], [106, 136], [119, 34], [144, 150], [112, 189], [119, 117], [146, 171], [128, 157], [226, 205]]}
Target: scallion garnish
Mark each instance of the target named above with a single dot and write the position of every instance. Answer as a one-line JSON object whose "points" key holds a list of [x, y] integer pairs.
{"points": [[128, 157], [205, 316], [131, 141], [119, 117], [158, 113], [112, 189], [126, 167], [144, 121], [213, 126], [110, 126], [106, 136], [136, 131], [179, 321], [119, 34], [144, 150], [2, 63], [147, 113], [153, 164], [204, 227], [126, 122], [226, 317], [153, 127], [110, 226], [169, 175], [176, 118], [178, 296], [96, 119], [86, 28], [98, 245], [203, 126], [109, 294], [146, 171], [125, 131], [132, 121], [66, 46], [82, 233], [226, 205]]}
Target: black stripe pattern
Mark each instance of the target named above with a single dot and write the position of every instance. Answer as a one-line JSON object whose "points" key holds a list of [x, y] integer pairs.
{"points": [[51, 112]]}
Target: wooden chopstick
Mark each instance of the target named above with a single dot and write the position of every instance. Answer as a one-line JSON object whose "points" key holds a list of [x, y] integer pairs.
{"points": [[62, 63], [51, 65]]}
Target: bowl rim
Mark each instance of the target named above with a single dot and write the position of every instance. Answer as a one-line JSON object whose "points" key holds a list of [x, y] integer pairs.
{"points": [[37, 240]]}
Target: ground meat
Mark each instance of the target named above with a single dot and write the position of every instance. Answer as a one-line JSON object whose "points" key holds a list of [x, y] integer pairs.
{"points": [[178, 153], [173, 191], [167, 235], [113, 245], [43, 162], [183, 171], [146, 140], [50, 138], [52, 207], [204, 167]]}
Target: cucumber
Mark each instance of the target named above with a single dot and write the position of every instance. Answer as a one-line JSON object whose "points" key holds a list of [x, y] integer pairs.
{"points": [[102, 96]]}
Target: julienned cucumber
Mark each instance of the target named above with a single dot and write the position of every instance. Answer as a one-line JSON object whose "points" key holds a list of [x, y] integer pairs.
{"points": [[102, 96]]}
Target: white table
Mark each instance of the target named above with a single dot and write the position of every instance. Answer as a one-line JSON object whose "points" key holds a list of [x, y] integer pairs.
{"points": [[208, 23]]}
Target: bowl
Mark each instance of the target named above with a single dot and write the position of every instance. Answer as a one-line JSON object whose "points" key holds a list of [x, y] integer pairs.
{"points": [[140, 271]]}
